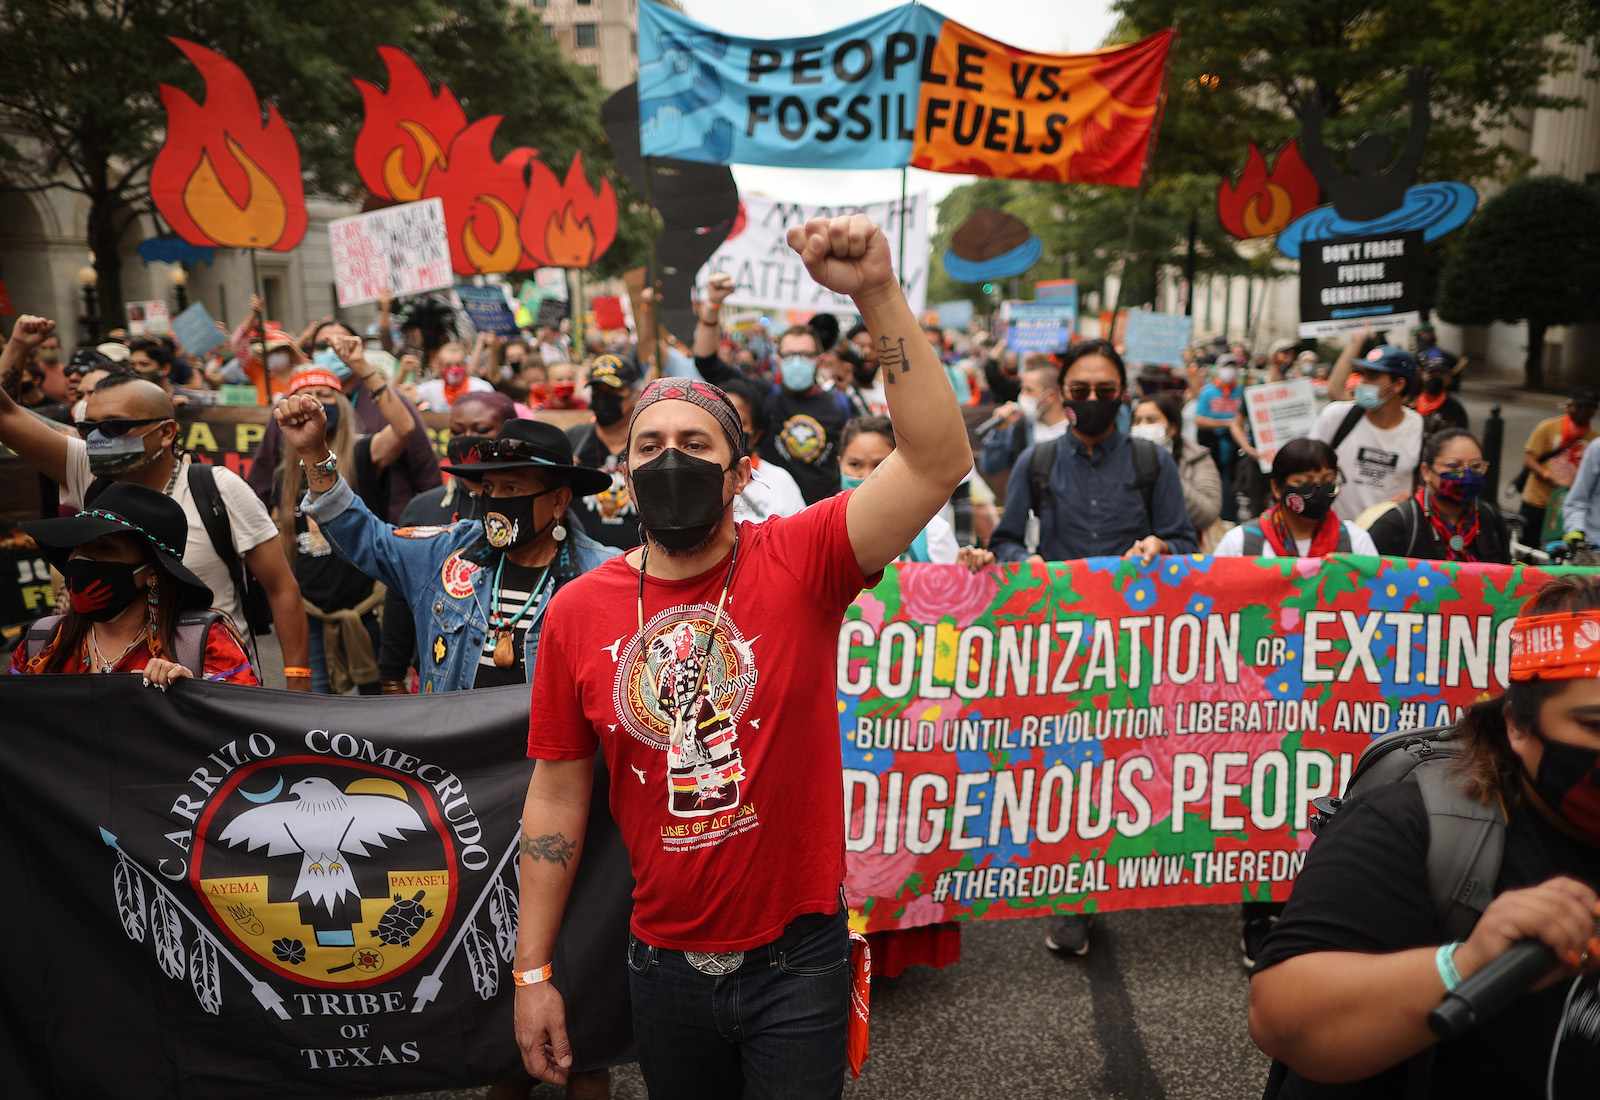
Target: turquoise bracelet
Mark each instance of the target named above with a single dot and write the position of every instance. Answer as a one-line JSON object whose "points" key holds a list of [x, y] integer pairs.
{"points": [[1444, 960]]}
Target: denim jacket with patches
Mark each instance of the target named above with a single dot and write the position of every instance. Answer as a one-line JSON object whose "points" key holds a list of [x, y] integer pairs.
{"points": [[446, 576]]}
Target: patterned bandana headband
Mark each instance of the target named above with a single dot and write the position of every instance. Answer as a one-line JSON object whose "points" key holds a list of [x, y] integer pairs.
{"points": [[700, 394], [1564, 646], [315, 378]]}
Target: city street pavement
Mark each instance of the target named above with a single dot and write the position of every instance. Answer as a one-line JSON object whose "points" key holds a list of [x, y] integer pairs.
{"points": [[1156, 1010]]}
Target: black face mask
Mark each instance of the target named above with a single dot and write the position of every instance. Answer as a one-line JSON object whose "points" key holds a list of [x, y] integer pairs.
{"points": [[1311, 501], [1094, 417], [607, 408], [1433, 386], [508, 521], [100, 590], [679, 498], [1568, 781]]}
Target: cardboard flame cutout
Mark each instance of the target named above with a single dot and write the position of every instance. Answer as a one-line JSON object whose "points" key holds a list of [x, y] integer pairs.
{"points": [[500, 215], [226, 175], [1262, 202], [567, 225], [407, 129], [481, 198]]}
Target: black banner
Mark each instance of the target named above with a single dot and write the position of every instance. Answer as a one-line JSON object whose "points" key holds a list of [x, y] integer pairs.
{"points": [[1347, 282], [230, 891]]}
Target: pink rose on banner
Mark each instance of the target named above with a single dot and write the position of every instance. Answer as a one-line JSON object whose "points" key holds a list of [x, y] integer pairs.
{"points": [[930, 592], [923, 911], [871, 874], [1251, 688]]}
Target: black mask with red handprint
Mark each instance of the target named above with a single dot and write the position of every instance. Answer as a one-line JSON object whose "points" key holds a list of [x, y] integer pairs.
{"points": [[100, 590], [1568, 781]]}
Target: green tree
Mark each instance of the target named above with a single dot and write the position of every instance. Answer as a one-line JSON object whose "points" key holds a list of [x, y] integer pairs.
{"points": [[78, 92], [1531, 254]]}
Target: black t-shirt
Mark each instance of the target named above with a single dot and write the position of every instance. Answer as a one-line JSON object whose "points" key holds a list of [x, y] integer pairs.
{"points": [[1365, 888], [1403, 531], [609, 517], [516, 585], [805, 439]]}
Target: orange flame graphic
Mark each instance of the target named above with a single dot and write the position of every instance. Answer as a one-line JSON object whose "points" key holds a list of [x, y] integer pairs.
{"points": [[226, 175], [481, 198], [406, 130], [1262, 202], [567, 225]]}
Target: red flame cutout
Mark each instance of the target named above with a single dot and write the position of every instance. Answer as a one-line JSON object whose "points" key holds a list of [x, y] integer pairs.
{"points": [[567, 225], [226, 175], [406, 130], [1263, 202], [482, 196]]}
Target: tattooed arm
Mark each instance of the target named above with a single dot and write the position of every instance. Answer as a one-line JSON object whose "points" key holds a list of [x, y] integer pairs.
{"points": [[931, 455], [553, 819]]}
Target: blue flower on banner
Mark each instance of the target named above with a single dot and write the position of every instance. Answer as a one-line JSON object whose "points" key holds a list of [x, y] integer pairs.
{"points": [[1396, 586], [868, 759], [1104, 565], [1199, 606], [1141, 594], [1285, 682], [1175, 570]]}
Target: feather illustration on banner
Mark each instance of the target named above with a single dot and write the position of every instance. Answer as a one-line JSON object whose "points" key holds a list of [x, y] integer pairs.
{"points": [[481, 960], [130, 899], [406, 130], [227, 174], [205, 975], [166, 932], [503, 915]]}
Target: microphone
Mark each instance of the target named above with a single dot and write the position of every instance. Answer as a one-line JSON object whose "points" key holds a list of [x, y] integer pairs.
{"points": [[986, 427], [1489, 990]]}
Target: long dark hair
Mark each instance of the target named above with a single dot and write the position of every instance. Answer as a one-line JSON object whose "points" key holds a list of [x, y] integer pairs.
{"points": [[1489, 764], [172, 600]]}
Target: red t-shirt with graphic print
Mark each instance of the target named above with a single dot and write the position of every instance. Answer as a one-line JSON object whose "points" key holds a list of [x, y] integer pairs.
{"points": [[739, 828]]}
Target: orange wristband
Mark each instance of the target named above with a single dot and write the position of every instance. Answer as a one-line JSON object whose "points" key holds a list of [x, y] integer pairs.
{"points": [[297, 673], [535, 976]]}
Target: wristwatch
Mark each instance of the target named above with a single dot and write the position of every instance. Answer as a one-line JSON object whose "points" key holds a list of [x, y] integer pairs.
{"points": [[328, 466]]}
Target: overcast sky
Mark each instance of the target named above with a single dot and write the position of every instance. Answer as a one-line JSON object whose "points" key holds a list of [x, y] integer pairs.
{"points": [[1047, 26]]}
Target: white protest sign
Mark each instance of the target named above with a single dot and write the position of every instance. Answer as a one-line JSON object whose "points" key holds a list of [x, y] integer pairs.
{"points": [[401, 249], [768, 274], [1156, 337], [1279, 412]]}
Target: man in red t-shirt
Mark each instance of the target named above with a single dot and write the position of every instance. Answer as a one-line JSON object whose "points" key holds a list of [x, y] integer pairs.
{"points": [[703, 664]]}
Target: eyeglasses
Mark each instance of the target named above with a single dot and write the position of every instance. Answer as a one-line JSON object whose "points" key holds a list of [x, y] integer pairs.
{"points": [[1104, 391], [113, 426], [1480, 466]]}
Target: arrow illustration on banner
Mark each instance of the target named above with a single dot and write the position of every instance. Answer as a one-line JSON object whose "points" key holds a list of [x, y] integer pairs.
{"points": [[263, 992], [429, 988]]}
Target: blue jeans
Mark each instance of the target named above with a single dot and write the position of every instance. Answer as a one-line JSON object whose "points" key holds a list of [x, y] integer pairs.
{"points": [[319, 661], [773, 1028]]}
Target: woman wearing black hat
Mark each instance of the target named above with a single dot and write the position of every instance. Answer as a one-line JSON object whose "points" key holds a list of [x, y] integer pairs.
{"points": [[133, 602]]}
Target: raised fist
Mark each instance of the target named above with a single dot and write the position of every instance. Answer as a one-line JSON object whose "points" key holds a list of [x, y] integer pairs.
{"points": [[848, 255]]}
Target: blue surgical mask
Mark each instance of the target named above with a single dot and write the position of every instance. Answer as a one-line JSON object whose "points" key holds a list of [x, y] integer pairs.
{"points": [[1367, 396], [328, 359], [799, 373], [848, 482]]}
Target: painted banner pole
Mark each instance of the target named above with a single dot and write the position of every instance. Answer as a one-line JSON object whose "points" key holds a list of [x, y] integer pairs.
{"points": [[1144, 176]]}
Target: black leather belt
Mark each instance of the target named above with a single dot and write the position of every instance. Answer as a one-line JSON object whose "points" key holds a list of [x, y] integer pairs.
{"points": [[726, 962]]}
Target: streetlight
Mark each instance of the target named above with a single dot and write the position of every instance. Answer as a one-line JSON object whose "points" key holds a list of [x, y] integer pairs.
{"points": [[87, 278], [180, 286]]}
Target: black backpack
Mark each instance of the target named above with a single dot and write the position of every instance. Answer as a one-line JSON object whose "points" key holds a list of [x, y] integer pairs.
{"points": [[1146, 468], [193, 629]]}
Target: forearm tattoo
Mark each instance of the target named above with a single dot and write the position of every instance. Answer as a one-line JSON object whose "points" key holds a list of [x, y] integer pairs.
{"points": [[892, 354], [552, 847]]}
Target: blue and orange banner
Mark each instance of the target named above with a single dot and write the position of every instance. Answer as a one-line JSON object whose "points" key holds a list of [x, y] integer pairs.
{"points": [[1099, 735], [905, 87]]}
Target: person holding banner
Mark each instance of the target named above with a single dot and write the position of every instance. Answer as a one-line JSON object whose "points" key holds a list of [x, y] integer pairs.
{"points": [[133, 606], [1447, 518], [1301, 523], [1344, 984], [703, 664]]}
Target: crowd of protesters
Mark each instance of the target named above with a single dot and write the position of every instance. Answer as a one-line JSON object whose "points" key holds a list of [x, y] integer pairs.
{"points": [[381, 569]]}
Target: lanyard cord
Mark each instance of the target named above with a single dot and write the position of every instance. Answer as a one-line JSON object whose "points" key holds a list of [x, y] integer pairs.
{"points": [[700, 675]]}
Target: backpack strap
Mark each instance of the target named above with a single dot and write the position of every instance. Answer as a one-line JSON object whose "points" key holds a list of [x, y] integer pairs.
{"points": [[1343, 545], [1412, 510], [1348, 425], [580, 435], [1039, 464], [40, 633], [1146, 468], [1254, 540], [194, 627], [214, 516], [1466, 841]]}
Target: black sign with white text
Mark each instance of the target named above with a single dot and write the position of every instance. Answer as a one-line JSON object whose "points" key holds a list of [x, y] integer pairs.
{"points": [[1349, 282]]}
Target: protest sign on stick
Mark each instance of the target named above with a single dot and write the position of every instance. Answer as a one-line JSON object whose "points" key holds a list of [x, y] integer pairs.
{"points": [[1279, 412], [402, 249]]}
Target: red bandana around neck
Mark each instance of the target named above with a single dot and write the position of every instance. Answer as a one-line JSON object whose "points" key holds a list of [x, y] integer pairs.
{"points": [[1276, 530]]}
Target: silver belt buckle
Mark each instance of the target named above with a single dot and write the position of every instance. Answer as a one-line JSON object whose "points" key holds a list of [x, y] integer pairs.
{"points": [[715, 963]]}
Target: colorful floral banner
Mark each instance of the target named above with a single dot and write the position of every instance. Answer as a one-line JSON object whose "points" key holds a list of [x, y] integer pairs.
{"points": [[1098, 735]]}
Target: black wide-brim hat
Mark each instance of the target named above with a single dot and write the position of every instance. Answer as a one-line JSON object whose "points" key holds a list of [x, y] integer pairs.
{"points": [[123, 509], [530, 445]]}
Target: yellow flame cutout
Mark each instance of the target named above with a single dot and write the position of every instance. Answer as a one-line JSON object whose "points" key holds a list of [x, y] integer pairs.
{"points": [[394, 176], [503, 257], [259, 223]]}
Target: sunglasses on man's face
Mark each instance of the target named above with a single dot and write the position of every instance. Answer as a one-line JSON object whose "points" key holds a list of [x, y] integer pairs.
{"points": [[113, 426], [1104, 391]]}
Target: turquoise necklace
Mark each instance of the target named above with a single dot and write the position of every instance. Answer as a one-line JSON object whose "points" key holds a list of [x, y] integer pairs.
{"points": [[505, 655]]}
